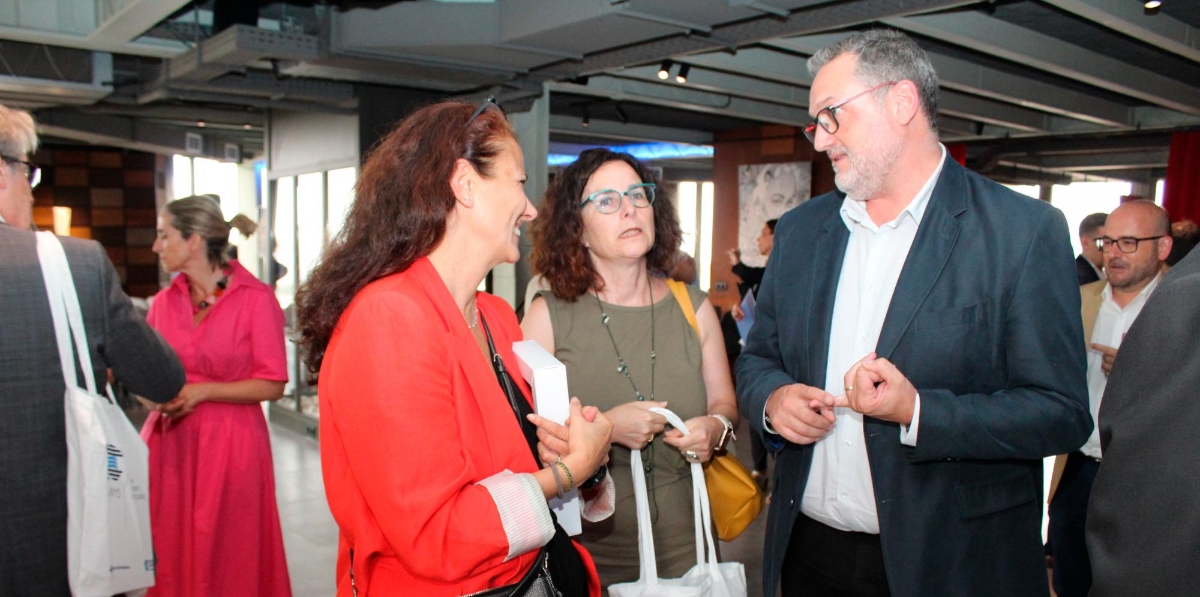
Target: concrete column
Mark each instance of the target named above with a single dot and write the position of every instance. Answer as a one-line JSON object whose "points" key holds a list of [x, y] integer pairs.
{"points": [[1143, 189], [533, 134], [1045, 191]]}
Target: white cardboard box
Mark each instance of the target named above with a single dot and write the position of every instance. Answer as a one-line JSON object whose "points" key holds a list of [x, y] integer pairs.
{"points": [[548, 378]]}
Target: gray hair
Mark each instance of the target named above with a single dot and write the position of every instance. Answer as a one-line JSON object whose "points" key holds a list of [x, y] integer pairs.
{"points": [[886, 55], [1092, 223], [18, 135]]}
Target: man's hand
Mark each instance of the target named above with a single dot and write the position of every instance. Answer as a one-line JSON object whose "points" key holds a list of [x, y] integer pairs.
{"points": [[875, 387], [1110, 354], [801, 414], [738, 313]]}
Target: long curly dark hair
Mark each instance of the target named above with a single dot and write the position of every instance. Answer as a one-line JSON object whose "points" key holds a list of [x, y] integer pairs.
{"points": [[558, 251], [401, 204]]}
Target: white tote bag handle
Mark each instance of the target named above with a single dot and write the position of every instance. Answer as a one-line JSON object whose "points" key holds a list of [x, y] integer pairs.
{"points": [[65, 310], [701, 506]]}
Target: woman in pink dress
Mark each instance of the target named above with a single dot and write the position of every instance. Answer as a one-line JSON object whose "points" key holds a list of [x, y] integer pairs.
{"points": [[212, 488]]}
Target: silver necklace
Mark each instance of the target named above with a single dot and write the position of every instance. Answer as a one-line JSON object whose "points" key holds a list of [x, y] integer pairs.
{"points": [[648, 461]]}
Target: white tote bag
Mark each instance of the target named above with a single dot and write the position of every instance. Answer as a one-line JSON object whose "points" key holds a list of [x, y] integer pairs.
{"points": [[707, 578], [108, 465]]}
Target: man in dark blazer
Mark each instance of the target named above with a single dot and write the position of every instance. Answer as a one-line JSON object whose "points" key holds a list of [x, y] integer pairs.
{"points": [[916, 354], [1090, 259], [1143, 526], [33, 445]]}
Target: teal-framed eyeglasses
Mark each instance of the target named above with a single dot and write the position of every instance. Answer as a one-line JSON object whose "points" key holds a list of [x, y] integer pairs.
{"points": [[608, 201]]}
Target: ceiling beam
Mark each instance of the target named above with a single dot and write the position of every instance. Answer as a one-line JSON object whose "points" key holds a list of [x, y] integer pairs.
{"points": [[1094, 161], [680, 97], [992, 36], [131, 20], [606, 129], [823, 17], [1122, 16], [974, 78], [951, 103]]}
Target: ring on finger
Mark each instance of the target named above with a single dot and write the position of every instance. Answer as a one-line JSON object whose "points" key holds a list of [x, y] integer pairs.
{"points": [[692, 456], [849, 389]]}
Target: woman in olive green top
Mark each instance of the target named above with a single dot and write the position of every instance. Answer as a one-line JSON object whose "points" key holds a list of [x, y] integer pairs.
{"points": [[603, 243]]}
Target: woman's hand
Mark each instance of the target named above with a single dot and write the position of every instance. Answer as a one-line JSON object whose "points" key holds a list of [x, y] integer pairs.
{"points": [[589, 438], [703, 434], [189, 397], [553, 438], [634, 425]]}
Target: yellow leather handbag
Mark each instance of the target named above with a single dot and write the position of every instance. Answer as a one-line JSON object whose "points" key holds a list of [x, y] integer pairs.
{"points": [[735, 497]]}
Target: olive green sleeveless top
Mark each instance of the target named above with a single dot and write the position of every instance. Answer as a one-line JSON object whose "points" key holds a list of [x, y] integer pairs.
{"points": [[583, 345]]}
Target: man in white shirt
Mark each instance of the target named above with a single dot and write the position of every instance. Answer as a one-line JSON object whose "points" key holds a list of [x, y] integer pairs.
{"points": [[915, 355], [1135, 244]]}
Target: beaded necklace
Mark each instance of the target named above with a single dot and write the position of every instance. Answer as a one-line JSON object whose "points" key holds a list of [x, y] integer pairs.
{"points": [[648, 451], [211, 299]]}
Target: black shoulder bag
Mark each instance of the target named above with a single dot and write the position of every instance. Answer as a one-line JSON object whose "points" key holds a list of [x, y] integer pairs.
{"points": [[558, 571]]}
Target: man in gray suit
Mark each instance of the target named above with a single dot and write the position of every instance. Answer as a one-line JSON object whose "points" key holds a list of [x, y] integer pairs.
{"points": [[33, 445], [1143, 527]]}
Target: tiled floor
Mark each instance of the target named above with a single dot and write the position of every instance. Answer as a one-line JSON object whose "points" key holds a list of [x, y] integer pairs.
{"points": [[310, 534]]}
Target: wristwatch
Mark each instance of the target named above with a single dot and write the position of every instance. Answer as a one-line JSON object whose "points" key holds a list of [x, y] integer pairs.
{"points": [[725, 435], [596, 478]]}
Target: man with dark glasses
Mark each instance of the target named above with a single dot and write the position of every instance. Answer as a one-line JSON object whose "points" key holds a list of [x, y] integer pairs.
{"points": [[915, 355]]}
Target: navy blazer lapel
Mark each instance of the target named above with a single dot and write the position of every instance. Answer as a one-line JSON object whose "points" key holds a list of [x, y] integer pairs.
{"points": [[828, 256], [927, 258]]}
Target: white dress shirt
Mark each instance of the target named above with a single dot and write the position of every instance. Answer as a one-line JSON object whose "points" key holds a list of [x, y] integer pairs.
{"points": [[1112, 322], [839, 492]]}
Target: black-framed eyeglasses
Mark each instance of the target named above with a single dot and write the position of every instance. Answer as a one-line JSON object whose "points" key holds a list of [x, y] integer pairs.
{"points": [[827, 117], [491, 99], [1127, 244], [32, 173], [608, 201]]}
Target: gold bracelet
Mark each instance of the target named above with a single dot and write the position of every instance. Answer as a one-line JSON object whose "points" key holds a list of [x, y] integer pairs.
{"points": [[567, 472]]}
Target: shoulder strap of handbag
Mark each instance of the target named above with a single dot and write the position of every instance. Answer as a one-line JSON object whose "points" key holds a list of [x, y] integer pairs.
{"points": [[679, 289], [65, 310], [515, 399]]}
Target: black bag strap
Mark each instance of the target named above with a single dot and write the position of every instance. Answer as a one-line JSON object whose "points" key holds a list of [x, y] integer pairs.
{"points": [[516, 399]]}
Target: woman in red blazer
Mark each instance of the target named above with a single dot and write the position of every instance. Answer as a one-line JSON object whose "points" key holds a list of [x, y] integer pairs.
{"points": [[429, 468]]}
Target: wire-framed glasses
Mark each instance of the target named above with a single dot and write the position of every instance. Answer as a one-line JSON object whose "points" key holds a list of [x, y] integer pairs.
{"points": [[1127, 244], [608, 201], [32, 173], [827, 117]]}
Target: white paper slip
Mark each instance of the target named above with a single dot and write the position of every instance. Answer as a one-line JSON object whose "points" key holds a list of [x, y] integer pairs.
{"points": [[548, 378]]}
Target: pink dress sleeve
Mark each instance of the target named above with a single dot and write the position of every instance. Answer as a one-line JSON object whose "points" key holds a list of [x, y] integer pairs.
{"points": [[267, 340]]}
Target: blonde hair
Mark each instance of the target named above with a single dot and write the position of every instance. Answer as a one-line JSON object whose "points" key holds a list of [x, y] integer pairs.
{"points": [[18, 134], [201, 214]]}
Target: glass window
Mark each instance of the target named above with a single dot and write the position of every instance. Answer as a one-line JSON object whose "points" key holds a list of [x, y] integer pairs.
{"points": [[181, 175], [1077, 200], [704, 259], [341, 194], [285, 239], [310, 221], [685, 202]]}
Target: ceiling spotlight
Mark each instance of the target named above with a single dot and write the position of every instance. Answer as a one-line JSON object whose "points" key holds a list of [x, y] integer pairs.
{"points": [[664, 71], [1150, 8], [621, 114], [586, 118], [247, 126], [200, 123], [683, 73]]}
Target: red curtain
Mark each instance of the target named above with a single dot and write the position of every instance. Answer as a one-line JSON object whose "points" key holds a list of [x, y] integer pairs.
{"points": [[1181, 191], [958, 153]]}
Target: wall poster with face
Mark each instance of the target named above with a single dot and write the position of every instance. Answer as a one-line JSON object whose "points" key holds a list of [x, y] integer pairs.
{"points": [[765, 192]]}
